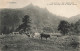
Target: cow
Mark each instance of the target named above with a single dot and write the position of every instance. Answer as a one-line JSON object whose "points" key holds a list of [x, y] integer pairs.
{"points": [[36, 35], [28, 34], [44, 35], [15, 33]]}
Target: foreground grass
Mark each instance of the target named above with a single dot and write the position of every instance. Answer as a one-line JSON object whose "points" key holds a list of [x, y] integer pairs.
{"points": [[23, 43]]}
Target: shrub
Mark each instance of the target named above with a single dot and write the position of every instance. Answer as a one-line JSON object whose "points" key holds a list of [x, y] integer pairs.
{"points": [[71, 41]]}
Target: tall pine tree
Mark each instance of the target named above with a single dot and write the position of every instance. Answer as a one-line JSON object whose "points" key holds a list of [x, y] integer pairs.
{"points": [[25, 26]]}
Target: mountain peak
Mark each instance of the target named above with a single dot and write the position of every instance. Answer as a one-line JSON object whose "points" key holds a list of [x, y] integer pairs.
{"points": [[30, 5]]}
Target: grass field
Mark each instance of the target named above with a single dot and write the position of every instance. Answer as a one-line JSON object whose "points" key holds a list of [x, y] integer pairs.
{"points": [[24, 43]]}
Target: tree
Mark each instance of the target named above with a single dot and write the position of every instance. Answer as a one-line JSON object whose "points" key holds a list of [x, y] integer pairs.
{"points": [[12, 29], [25, 26], [72, 29], [9, 18], [64, 27], [5, 30], [77, 26]]}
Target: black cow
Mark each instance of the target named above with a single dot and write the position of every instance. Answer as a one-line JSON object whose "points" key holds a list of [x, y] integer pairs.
{"points": [[44, 36]]}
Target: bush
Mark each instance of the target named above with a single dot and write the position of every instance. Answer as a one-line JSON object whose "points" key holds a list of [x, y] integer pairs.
{"points": [[71, 41], [74, 44]]}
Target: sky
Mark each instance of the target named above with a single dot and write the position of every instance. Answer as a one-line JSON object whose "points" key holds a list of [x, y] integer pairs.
{"points": [[65, 8]]}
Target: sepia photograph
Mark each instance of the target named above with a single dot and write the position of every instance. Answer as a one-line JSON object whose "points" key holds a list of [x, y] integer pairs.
{"points": [[39, 25]]}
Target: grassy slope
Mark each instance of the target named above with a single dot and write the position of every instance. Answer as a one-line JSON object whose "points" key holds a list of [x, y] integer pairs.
{"points": [[23, 43]]}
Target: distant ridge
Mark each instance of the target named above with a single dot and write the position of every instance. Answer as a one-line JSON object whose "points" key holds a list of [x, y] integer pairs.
{"points": [[74, 19]]}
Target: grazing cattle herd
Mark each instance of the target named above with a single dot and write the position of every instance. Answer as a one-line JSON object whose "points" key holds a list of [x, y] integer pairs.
{"points": [[40, 35], [36, 35]]}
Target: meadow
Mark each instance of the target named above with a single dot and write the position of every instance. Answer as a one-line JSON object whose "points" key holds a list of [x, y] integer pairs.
{"points": [[23, 43]]}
